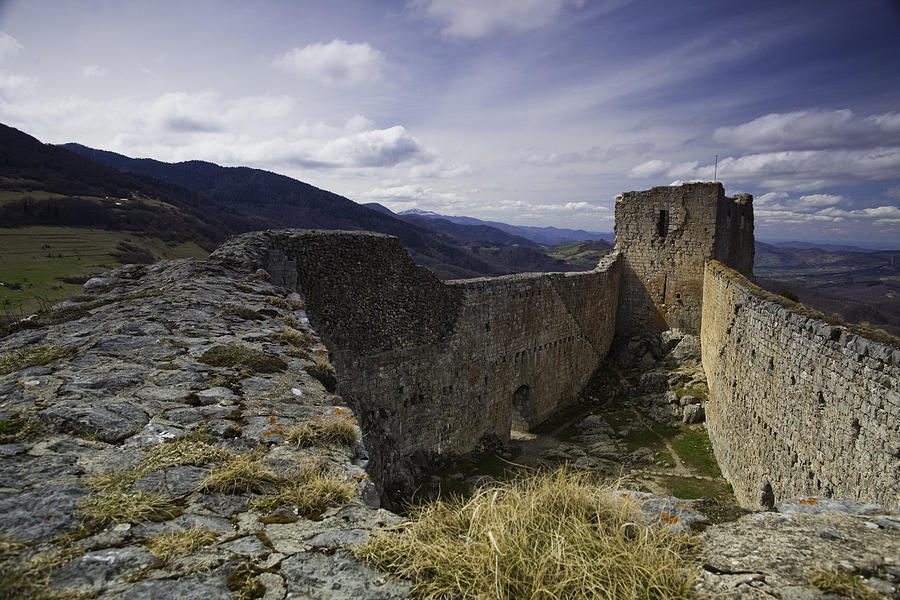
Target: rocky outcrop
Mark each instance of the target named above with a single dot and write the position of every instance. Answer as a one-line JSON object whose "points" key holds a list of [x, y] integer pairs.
{"points": [[117, 443]]}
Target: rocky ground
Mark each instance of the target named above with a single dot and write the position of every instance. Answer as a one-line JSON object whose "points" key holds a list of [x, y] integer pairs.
{"points": [[171, 434]]}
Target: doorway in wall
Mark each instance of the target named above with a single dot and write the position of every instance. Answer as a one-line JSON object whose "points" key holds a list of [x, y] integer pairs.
{"points": [[522, 411]]}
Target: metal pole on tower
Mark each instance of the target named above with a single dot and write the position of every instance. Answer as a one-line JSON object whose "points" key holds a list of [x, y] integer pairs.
{"points": [[716, 169]]}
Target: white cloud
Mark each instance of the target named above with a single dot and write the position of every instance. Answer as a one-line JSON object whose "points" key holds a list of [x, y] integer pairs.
{"points": [[651, 168], [9, 46], [476, 18], [251, 130], [335, 63], [186, 113], [769, 198], [93, 71], [813, 130], [372, 148], [412, 194], [816, 200], [880, 212], [802, 170]]}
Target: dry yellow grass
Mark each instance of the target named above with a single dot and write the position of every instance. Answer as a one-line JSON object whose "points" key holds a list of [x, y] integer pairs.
{"points": [[31, 356], [551, 536], [309, 490], [181, 543], [846, 585], [340, 429], [241, 473], [127, 507]]}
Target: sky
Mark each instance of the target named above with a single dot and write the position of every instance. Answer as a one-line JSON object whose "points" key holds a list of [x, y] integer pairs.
{"points": [[531, 112]]}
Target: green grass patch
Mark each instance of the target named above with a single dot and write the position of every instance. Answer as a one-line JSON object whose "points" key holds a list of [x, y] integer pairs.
{"points": [[553, 535], [18, 428], [33, 355], [665, 460], [697, 391], [37, 262], [695, 450], [689, 487], [182, 451], [650, 438], [619, 419], [242, 357]]}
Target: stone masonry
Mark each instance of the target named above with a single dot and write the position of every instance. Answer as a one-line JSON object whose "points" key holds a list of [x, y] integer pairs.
{"points": [[797, 406], [665, 236], [434, 369]]}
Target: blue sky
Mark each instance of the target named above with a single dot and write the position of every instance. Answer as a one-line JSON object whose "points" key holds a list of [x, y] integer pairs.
{"points": [[535, 112]]}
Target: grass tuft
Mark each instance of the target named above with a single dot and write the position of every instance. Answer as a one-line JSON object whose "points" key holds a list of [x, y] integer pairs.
{"points": [[31, 356], [167, 546], [843, 584], [340, 429], [323, 371], [30, 578], [294, 337], [286, 303], [182, 451], [127, 507], [553, 535], [310, 490], [241, 473], [243, 358]]}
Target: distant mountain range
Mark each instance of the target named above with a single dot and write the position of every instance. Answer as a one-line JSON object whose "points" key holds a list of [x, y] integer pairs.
{"points": [[545, 236], [77, 186]]}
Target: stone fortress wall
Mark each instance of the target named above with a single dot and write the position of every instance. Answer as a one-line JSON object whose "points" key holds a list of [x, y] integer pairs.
{"points": [[665, 236], [797, 406], [435, 368]]}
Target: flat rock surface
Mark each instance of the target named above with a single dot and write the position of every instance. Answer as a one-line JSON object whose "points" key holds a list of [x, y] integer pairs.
{"points": [[773, 555]]}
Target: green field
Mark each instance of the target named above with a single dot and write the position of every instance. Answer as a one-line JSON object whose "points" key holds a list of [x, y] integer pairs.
{"points": [[583, 254], [34, 261]]}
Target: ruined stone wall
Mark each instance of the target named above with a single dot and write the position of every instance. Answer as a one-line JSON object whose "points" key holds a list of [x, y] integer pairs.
{"points": [[797, 406], [434, 367], [666, 234]]}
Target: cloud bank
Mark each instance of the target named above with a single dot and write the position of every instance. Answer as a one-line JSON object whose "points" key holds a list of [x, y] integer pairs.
{"points": [[335, 63]]}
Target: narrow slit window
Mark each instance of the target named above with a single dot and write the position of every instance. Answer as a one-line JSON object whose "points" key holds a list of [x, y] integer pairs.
{"points": [[662, 224]]}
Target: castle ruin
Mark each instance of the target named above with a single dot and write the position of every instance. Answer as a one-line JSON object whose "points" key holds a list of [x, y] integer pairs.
{"points": [[433, 368]]}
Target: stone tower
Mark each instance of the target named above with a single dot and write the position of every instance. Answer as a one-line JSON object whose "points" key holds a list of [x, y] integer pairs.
{"points": [[666, 235]]}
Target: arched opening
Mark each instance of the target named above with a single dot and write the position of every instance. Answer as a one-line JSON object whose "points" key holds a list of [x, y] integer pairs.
{"points": [[767, 497], [521, 412]]}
